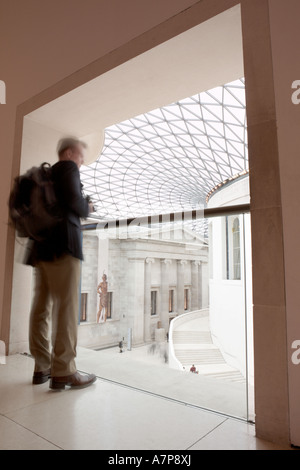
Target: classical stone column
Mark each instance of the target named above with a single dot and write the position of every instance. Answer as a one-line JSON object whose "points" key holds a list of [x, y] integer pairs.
{"points": [[195, 304], [200, 285], [204, 281], [147, 300], [135, 299], [164, 310], [180, 286]]}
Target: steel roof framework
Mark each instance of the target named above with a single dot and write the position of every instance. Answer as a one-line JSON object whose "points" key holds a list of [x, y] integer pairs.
{"points": [[169, 159]]}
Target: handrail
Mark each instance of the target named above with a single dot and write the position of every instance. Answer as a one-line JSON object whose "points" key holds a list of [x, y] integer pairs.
{"points": [[171, 217], [226, 210]]}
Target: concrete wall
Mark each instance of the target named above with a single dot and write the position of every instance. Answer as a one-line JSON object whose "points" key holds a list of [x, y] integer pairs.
{"points": [[230, 301], [285, 36], [134, 268]]}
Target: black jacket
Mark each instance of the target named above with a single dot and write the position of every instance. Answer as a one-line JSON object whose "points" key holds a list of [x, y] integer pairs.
{"points": [[66, 237]]}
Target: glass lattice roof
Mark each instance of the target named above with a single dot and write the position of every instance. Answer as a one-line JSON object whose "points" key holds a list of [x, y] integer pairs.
{"points": [[169, 159]]}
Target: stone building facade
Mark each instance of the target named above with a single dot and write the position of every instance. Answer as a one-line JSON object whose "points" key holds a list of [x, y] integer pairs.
{"points": [[150, 280]]}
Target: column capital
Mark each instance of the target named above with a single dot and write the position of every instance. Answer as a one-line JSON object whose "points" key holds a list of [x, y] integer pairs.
{"points": [[181, 262], [196, 263], [166, 261], [149, 260]]}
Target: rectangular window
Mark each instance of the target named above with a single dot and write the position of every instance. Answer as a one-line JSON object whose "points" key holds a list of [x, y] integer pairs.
{"points": [[83, 308], [227, 250], [236, 249], [109, 305], [233, 248], [171, 301], [154, 302], [186, 299]]}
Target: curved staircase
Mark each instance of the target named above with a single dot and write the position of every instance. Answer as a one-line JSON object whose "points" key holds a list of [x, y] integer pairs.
{"points": [[192, 344]]}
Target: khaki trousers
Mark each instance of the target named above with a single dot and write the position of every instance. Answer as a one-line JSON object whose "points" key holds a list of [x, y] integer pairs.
{"points": [[56, 301]]}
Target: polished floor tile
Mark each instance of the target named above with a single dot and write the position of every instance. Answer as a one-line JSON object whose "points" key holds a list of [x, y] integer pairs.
{"points": [[16, 390], [108, 416], [234, 435], [16, 437]]}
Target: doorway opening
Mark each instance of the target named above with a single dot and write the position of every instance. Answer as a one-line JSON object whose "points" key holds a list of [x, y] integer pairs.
{"points": [[166, 273], [182, 289]]}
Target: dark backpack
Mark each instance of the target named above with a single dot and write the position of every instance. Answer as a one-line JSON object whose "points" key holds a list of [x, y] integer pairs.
{"points": [[33, 207]]}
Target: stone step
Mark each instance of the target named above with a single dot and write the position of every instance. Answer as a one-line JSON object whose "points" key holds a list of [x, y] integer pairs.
{"points": [[206, 356], [195, 346], [191, 337], [232, 376]]}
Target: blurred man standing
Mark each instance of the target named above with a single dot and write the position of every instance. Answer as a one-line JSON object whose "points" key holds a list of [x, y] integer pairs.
{"points": [[57, 262]]}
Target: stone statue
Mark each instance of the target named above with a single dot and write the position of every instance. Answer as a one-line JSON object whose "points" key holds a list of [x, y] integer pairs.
{"points": [[103, 305]]}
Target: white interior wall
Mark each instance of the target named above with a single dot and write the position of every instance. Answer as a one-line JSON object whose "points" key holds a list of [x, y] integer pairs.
{"points": [[230, 301]]}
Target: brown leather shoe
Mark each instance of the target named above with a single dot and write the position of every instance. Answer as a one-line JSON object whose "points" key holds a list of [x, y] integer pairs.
{"points": [[76, 380], [41, 377]]}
